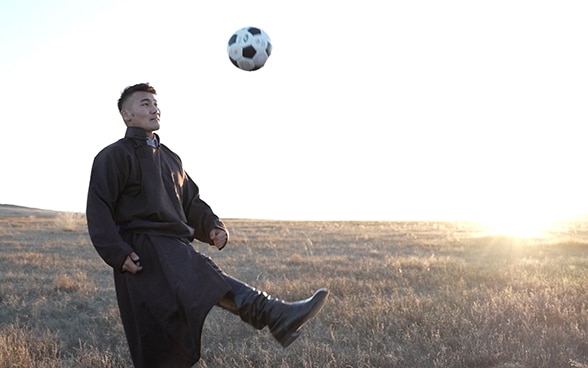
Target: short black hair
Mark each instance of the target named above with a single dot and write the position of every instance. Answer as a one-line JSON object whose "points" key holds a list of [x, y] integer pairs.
{"points": [[141, 87]]}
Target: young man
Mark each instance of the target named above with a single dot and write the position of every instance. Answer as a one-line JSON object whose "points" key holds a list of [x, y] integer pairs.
{"points": [[143, 212]]}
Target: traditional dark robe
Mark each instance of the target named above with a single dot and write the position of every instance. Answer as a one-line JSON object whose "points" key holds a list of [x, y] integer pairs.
{"points": [[141, 200]]}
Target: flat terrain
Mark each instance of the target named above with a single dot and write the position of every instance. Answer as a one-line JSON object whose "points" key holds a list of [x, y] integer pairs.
{"points": [[403, 294]]}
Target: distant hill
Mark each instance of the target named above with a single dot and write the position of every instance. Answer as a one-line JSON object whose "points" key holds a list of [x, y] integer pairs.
{"points": [[14, 210]]}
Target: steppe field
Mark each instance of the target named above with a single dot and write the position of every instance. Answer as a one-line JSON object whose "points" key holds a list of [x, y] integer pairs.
{"points": [[403, 294]]}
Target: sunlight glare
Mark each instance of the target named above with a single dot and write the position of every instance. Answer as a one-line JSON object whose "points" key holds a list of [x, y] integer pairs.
{"points": [[519, 225]]}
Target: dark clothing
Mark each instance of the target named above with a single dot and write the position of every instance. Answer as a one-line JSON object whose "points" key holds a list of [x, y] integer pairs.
{"points": [[164, 305], [137, 188], [141, 200]]}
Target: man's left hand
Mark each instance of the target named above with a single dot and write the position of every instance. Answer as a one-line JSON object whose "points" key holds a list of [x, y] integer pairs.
{"points": [[219, 237]]}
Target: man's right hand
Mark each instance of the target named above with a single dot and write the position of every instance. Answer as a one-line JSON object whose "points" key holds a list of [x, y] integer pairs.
{"points": [[132, 264]]}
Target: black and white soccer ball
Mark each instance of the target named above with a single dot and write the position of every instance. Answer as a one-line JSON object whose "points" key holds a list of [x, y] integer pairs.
{"points": [[249, 48]]}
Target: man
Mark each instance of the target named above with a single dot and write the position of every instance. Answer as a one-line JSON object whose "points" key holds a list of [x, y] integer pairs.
{"points": [[143, 212]]}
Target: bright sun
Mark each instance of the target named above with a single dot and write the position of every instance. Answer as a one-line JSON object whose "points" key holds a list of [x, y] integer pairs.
{"points": [[527, 225]]}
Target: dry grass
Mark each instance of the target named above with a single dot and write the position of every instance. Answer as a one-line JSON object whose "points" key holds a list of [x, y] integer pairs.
{"points": [[403, 294]]}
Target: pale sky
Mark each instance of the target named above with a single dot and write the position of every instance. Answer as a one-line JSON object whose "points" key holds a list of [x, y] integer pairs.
{"points": [[366, 110]]}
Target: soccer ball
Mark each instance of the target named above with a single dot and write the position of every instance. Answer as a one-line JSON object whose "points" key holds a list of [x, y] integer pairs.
{"points": [[249, 48]]}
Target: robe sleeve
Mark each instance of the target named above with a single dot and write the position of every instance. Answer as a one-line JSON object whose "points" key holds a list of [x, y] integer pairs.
{"points": [[199, 214], [106, 183]]}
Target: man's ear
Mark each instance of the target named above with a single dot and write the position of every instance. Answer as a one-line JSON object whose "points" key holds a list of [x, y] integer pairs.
{"points": [[126, 115]]}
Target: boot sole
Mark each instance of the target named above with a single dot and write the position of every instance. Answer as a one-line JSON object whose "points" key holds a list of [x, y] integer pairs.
{"points": [[319, 298]]}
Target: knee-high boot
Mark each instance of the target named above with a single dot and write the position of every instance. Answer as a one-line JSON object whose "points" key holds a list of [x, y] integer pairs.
{"points": [[259, 309]]}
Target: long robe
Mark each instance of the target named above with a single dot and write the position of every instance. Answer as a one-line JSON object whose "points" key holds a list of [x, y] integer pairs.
{"points": [[141, 200]]}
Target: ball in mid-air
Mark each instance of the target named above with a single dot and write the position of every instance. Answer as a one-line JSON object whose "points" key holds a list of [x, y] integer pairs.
{"points": [[249, 48]]}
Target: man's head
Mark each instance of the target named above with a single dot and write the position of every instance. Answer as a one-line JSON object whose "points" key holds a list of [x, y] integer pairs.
{"points": [[138, 107]]}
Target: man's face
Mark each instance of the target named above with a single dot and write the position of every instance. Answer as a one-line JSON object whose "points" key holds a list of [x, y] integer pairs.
{"points": [[141, 111]]}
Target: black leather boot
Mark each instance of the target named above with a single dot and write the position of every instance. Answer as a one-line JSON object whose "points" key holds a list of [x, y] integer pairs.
{"points": [[259, 309]]}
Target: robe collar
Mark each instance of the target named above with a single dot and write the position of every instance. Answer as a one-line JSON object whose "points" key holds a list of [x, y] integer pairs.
{"points": [[140, 134]]}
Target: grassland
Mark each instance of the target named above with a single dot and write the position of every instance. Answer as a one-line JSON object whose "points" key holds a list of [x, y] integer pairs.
{"points": [[403, 294]]}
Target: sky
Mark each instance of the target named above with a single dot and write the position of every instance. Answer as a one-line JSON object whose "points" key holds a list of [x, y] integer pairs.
{"points": [[366, 110]]}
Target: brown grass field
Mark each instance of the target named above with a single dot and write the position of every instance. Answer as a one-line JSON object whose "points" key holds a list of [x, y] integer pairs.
{"points": [[403, 294]]}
